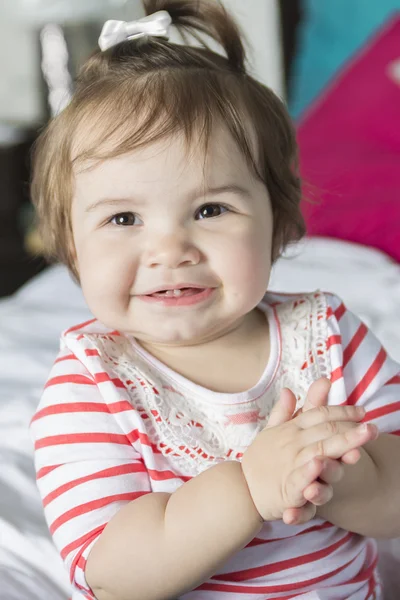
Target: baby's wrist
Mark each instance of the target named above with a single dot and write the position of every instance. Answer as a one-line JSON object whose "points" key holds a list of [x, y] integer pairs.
{"points": [[246, 487], [250, 478]]}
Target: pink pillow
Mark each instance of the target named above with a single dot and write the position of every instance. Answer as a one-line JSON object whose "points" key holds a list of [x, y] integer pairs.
{"points": [[350, 149]]}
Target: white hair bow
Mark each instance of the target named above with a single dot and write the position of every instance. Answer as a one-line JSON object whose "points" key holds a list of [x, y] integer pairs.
{"points": [[114, 32]]}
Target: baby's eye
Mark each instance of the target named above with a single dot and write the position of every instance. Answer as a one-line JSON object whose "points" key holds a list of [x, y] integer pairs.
{"points": [[211, 210], [125, 218]]}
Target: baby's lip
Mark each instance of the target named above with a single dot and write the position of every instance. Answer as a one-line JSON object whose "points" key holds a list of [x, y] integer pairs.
{"points": [[176, 286]]}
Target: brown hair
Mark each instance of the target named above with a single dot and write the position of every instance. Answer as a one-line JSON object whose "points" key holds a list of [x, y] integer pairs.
{"points": [[142, 90]]}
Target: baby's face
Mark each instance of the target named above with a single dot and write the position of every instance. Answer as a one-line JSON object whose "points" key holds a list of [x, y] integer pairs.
{"points": [[164, 218]]}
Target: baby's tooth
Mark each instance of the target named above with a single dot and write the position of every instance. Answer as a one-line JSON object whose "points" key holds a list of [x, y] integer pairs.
{"points": [[173, 293]]}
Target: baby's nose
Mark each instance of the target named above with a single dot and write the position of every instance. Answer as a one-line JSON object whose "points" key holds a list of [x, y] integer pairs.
{"points": [[171, 251]]}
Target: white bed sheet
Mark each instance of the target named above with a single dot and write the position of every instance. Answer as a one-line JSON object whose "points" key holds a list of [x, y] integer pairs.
{"points": [[30, 324]]}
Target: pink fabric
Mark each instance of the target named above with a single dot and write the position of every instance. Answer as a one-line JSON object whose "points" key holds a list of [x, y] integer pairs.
{"points": [[350, 149]]}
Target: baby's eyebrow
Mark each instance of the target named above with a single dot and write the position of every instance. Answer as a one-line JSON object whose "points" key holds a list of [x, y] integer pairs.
{"points": [[198, 193], [108, 202], [222, 189]]}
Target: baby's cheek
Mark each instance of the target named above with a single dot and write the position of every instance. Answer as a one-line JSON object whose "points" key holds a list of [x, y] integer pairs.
{"points": [[250, 266], [105, 276]]}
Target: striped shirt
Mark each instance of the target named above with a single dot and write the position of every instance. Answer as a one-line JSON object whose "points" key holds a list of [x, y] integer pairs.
{"points": [[114, 424]]}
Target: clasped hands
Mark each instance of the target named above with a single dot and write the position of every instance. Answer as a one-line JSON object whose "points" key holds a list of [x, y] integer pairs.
{"points": [[292, 463], [327, 470]]}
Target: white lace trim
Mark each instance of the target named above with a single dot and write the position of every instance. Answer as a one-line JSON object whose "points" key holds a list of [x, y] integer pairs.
{"points": [[304, 336], [193, 434]]}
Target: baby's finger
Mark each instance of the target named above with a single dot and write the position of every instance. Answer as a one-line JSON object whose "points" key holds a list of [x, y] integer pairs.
{"points": [[323, 414], [351, 457], [324, 431], [299, 479], [298, 516], [337, 445], [317, 394], [318, 493], [283, 409]]}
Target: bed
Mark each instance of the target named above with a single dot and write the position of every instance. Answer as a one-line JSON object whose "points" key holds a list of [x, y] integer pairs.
{"points": [[30, 323]]}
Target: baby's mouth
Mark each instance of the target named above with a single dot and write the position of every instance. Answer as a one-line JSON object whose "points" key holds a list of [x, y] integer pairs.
{"points": [[177, 293]]}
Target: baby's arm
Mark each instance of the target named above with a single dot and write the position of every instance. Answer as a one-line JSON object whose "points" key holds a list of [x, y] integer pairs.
{"points": [[93, 481], [367, 499], [161, 546]]}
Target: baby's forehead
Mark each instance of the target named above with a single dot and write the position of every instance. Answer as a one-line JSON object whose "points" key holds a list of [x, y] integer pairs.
{"points": [[175, 155]]}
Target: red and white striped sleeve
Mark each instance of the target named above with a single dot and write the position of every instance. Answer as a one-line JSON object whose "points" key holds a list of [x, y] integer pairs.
{"points": [[362, 371], [87, 468]]}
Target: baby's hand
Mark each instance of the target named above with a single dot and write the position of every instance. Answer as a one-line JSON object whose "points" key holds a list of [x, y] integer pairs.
{"points": [[320, 491], [318, 396], [290, 454]]}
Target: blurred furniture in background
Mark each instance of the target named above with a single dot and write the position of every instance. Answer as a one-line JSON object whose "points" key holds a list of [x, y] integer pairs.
{"points": [[16, 264], [291, 14]]}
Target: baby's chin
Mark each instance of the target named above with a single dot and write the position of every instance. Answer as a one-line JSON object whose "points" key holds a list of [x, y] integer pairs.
{"points": [[183, 330], [172, 339], [179, 337]]}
